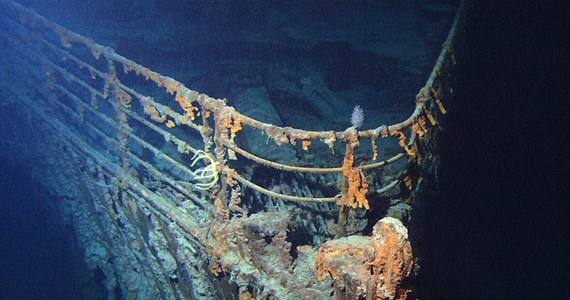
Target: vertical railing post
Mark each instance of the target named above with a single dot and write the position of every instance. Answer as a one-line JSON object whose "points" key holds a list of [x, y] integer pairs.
{"points": [[119, 100]]}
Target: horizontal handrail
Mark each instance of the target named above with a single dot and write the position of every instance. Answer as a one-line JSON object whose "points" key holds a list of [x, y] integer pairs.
{"points": [[208, 103], [223, 113]]}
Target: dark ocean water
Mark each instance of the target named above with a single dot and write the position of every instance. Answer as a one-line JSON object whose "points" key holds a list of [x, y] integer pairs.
{"points": [[498, 229], [500, 226], [35, 258]]}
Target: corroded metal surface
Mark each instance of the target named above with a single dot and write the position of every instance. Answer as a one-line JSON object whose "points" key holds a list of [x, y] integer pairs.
{"points": [[162, 176]]}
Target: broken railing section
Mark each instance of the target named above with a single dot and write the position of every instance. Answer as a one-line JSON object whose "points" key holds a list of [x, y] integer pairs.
{"points": [[214, 185]]}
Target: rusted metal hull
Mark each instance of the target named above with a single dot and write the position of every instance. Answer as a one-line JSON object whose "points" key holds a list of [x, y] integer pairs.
{"points": [[156, 187]]}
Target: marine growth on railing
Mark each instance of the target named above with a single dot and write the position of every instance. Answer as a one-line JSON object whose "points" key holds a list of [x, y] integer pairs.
{"points": [[164, 143], [217, 123]]}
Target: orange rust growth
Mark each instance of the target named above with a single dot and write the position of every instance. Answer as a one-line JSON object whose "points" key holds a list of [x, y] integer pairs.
{"points": [[306, 145], [246, 296], [440, 105], [419, 127], [170, 124], [230, 180], [376, 267], [215, 268], [232, 123], [190, 111], [430, 116], [227, 121], [375, 147], [150, 110], [437, 95], [221, 209], [236, 126], [218, 245], [184, 99], [393, 260], [278, 134], [355, 188], [171, 86], [235, 201], [404, 143], [330, 140], [357, 183], [346, 248]]}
